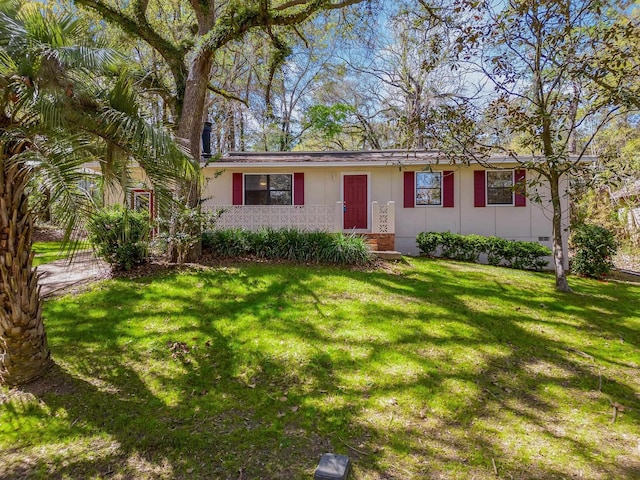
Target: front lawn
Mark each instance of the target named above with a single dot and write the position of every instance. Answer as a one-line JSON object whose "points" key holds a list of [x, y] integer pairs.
{"points": [[47, 252], [50, 251], [433, 369]]}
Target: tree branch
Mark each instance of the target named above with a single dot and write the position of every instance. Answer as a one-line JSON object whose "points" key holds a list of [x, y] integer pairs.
{"points": [[235, 22], [328, 6], [140, 28], [228, 95]]}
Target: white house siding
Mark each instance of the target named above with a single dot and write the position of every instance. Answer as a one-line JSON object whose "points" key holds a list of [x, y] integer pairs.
{"points": [[323, 187]]}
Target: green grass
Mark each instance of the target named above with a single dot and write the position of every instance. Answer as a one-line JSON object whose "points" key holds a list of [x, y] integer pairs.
{"points": [[50, 251], [433, 369], [47, 252]]}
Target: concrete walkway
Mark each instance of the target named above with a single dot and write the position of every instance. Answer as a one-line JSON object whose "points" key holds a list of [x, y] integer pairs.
{"points": [[61, 276]]}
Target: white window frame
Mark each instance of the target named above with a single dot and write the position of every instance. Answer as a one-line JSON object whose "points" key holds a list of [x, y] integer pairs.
{"points": [[513, 183], [136, 193], [244, 188], [416, 190]]}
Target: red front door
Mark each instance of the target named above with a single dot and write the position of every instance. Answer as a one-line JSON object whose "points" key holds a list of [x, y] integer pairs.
{"points": [[355, 201]]}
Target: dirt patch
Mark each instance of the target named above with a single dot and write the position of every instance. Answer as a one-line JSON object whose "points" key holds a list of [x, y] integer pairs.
{"points": [[47, 234], [54, 381], [155, 267]]}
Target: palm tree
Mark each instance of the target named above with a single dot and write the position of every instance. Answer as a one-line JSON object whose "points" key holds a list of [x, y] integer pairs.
{"points": [[63, 102]]}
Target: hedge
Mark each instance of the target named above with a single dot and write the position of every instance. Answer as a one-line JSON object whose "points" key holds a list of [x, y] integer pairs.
{"points": [[510, 253]]}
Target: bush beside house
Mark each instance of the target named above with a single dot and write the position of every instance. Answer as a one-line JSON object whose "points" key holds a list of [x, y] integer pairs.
{"points": [[510, 253], [594, 247], [120, 236], [288, 244]]}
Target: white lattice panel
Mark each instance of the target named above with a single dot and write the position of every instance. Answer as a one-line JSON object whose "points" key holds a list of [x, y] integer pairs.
{"points": [[383, 219], [255, 217]]}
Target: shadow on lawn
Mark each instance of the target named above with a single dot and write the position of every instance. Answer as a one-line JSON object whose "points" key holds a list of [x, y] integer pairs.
{"points": [[408, 393]]}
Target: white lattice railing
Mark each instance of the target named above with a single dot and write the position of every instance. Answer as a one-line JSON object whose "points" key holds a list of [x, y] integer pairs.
{"points": [[303, 217], [326, 218]]}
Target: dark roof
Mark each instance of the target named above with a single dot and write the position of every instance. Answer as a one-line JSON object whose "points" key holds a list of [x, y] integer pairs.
{"points": [[383, 156], [342, 158]]}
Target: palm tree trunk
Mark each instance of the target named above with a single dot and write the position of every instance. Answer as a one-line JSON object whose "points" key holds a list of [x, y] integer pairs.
{"points": [[24, 353]]}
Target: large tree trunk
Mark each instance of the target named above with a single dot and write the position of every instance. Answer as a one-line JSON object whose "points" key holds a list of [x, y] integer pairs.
{"points": [[24, 353], [190, 129], [558, 246]]}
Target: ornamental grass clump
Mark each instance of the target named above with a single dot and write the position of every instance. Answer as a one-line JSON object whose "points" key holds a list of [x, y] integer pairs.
{"points": [[288, 244]]}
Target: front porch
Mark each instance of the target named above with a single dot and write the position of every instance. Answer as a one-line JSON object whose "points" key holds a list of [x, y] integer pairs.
{"points": [[326, 218]]}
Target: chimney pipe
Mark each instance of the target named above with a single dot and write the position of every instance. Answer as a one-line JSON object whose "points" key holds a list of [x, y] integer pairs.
{"points": [[206, 140]]}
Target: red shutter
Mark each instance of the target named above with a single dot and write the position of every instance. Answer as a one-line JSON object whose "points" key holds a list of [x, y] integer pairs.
{"points": [[298, 188], [479, 188], [447, 188], [237, 189], [409, 189], [521, 188]]}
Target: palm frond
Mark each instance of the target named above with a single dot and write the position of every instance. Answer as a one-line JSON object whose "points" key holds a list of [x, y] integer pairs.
{"points": [[7, 64], [67, 107], [94, 59], [58, 161]]}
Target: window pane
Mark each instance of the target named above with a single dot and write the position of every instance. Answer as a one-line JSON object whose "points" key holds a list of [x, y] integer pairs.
{"points": [[500, 179], [428, 196], [256, 197], [428, 180], [280, 197], [280, 182], [267, 189], [500, 187], [141, 201], [255, 182], [428, 188], [499, 196]]}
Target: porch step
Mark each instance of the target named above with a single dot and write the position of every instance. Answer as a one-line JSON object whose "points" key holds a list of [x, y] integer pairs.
{"points": [[388, 255]]}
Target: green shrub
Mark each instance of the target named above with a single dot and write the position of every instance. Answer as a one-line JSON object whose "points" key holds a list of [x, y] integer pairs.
{"points": [[226, 243], [495, 248], [428, 242], [120, 236], [452, 246], [182, 227], [594, 248], [528, 255], [511, 253], [288, 244]]}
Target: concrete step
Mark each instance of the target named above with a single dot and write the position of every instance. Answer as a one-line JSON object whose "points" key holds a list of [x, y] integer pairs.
{"points": [[388, 255]]}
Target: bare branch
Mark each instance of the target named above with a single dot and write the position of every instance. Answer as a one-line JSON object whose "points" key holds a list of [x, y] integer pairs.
{"points": [[228, 95]]}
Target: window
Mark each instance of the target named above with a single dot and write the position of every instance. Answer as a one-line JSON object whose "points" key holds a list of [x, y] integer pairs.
{"points": [[142, 201], [428, 188], [500, 187], [267, 189]]}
